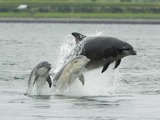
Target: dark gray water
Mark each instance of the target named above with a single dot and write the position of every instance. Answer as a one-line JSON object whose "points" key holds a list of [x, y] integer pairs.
{"points": [[131, 92]]}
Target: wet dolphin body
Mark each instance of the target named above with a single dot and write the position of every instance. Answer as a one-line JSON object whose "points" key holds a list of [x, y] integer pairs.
{"points": [[102, 51], [70, 71], [39, 76]]}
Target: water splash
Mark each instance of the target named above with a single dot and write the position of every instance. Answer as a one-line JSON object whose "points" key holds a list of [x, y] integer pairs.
{"points": [[96, 33], [96, 84], [64, 51]]}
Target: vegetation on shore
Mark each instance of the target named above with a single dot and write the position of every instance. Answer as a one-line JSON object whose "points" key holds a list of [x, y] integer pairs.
{"points": [[81, 15], [79, 9]]}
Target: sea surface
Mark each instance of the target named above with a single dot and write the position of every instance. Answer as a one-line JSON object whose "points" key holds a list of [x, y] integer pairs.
{"points": [[131, 92]]}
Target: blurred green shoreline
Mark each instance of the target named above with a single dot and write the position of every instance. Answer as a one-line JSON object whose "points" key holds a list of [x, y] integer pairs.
{"points": [[76, 9], [81, 15]]}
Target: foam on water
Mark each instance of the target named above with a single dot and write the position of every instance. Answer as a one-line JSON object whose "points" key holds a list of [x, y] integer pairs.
{"points": [[96, 83]]}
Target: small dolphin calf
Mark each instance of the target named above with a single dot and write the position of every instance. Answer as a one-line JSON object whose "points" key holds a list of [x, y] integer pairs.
{"points": [[102, 50], [70, 71], [39, 75]]}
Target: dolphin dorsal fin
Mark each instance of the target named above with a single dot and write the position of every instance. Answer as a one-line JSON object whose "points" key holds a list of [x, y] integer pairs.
{"points": [[78, 37]]}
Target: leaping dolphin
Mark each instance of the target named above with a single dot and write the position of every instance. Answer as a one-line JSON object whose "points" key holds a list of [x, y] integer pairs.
{"points": [[102, 50], [70, 71], [40, 75]]}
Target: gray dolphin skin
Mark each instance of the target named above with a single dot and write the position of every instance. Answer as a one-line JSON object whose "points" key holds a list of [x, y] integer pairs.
{"points": [[102, 50], [70, 71], [39, 75]]}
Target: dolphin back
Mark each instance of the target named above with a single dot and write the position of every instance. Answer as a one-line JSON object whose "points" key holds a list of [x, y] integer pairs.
{"points": [[31, 81], [59, 73]]}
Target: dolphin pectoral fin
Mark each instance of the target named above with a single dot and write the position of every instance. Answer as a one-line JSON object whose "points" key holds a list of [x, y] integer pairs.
{"points": [[49, 81], [105, 67], [81, 78], [108, 62], [117, 63]]}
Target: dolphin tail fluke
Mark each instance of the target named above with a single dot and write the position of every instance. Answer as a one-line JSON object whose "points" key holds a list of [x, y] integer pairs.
{"points": [[78, 37], [117, 63], [81, 78]]}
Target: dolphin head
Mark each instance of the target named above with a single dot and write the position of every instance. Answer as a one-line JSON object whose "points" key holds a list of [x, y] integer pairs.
{"points": [[125, 49], [43, 69], [79, 63]]}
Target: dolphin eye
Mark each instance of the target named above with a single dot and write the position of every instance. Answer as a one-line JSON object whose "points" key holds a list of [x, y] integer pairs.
{"points": [[40, 66], [75, 61]]}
